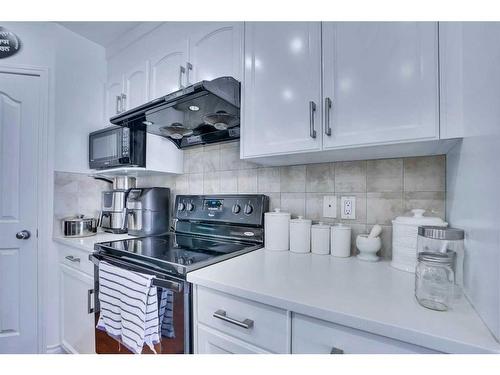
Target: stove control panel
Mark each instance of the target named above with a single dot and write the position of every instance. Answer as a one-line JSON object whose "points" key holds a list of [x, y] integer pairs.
{"points": [[247, 209]]}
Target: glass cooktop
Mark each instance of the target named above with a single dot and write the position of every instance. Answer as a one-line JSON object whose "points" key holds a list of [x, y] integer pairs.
{"points": [[178, 253]]}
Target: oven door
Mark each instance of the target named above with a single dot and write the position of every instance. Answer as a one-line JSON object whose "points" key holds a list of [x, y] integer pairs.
{"points": [[180, 343]]}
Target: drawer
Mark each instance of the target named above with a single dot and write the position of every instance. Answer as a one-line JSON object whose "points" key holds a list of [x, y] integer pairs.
{"points": [[314, 336], [267, 326], [75, 258]]}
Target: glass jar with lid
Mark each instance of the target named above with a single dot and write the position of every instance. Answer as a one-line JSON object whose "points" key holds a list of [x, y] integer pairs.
{"points": [[434, 280]]}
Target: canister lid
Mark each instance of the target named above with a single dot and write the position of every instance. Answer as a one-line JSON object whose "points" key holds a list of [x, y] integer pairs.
{"points": [[435, 257], [440, 233], [300, 219], [321, 225], [277, 212], [418, 218]]}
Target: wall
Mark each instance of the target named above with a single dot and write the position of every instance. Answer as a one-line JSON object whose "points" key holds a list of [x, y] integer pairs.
{"points": [[473, 172], [383, 189], [77, 71]]}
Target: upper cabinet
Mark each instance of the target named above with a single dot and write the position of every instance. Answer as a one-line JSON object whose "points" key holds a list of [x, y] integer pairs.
{"points": [[331, 86], [281, 108], [381, 79], [136, 86], [215, 50]]}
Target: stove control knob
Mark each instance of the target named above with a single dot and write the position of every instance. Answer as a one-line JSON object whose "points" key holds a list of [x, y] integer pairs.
{"points": [[236, 209], [190, 207], [248, 209], [181, 206]]}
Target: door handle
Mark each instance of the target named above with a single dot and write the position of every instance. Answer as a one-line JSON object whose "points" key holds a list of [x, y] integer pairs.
{"points": [[189, 67], [182, 70], [312, 109], [328, 105], [90, 309], [222, 315], [23, 235]]}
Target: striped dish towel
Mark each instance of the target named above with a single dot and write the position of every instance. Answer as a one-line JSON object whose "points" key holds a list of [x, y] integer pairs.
{"points": [[167, 313], [129, 307]]}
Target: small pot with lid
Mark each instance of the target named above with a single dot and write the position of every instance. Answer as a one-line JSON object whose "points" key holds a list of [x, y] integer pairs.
{"points": [[79, 226]]}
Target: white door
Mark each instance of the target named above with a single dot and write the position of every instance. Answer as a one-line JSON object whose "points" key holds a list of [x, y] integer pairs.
{"points": [[114, 91], [382, 80], [210, 341], [136, 86], [77, 302], [19, 124], [215, 51], [281, 109], [168, 68]]}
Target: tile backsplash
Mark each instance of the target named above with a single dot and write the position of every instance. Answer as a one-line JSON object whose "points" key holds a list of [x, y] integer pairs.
{"points": [[76, 193], [383, 188]]}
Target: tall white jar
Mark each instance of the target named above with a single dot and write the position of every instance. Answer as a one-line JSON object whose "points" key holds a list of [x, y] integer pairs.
{"points": [[277, 230], [300, 235], [341, 241], [320, 239]]}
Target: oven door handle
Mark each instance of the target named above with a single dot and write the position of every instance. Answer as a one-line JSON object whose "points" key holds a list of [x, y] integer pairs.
{"points": [[158, 279]]}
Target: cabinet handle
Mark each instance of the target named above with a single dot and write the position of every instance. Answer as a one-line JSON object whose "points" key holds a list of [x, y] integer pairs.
{"points": [[90, 309], [312, 109], [71, 258], [336, 351], [222, 315], [328, 105], [123, 103], [118, 104], [189, 68], [182, 70]]}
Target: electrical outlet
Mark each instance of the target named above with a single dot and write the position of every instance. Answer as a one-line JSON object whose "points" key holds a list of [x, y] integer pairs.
{"points": [[348, 208], [330, 206]]}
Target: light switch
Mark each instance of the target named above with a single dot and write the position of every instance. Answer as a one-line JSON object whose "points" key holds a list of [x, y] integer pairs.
{"points": [[330, 206], [348, 208]]}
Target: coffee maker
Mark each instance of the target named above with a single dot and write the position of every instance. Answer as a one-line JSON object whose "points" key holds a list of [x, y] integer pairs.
{"points": [[113, 217], [148, 211]]}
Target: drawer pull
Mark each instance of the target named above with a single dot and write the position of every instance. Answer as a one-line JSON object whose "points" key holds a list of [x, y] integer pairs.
{"points": [[336, 351], [90, 309], [221, 314], [71, 258]]}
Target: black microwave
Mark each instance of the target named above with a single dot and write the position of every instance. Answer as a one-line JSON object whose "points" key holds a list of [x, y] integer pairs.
{"points": [[117, 146]]}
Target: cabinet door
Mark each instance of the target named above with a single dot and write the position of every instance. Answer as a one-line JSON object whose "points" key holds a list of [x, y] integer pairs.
{"points": [[114, 90], [168, 69], [136, 82], [282, 87], [77, 324], [382, 78], [215, 51], [211, 341]]}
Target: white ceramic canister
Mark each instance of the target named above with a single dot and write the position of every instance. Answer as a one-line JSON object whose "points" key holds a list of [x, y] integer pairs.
{"points": [[320, 239], [340, 241], [277, 230], [404, 238], [300, 235]]}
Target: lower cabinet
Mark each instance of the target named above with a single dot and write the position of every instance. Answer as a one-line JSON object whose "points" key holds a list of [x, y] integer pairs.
{"points": [[77, 317], [314, 336], [225, 324]]}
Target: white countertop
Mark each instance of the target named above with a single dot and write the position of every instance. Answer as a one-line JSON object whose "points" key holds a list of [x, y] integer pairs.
{"points": [[372, 297], [87, 243]]}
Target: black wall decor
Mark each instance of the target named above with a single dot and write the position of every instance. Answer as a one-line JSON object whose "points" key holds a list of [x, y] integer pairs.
{"points": [[9, 43]]}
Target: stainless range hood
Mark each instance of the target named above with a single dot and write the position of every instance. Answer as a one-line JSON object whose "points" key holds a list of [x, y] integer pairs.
{"points": [[203, 113]]}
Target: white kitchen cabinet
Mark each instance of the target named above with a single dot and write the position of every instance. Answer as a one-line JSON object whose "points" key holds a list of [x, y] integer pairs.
{"points": [[215, 50], [281, 108], [77, 317], [314, 336], [114, 92], [168, 68], [382, 80], [136, 86], [211, 341]]}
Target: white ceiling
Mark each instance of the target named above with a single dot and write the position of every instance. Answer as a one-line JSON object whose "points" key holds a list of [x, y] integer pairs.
{"points": [[103, 33]]}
